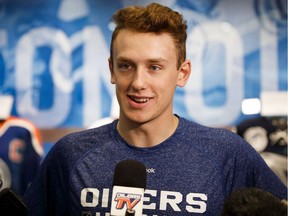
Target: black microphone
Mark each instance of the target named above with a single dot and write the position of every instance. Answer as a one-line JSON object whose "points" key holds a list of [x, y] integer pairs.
{"points": [[11, 204], [129, 184]]}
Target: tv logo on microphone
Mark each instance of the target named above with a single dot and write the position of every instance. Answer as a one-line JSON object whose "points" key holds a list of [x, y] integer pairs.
{"points": [[124, 198], [130, 200]]}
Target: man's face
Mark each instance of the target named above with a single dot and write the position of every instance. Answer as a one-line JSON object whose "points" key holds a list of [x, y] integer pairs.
{"points": [[144, 70]]}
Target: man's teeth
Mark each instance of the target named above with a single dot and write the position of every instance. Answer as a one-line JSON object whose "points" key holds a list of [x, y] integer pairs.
{"points": [[140, 100]]}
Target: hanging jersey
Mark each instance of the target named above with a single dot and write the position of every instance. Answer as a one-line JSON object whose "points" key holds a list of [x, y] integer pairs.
{"points": [[269, 137], [21, 152], [265, 134]]}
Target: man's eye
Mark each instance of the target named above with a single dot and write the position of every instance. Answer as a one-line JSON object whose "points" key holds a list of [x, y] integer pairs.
{"points": [[124, 67], [154, 68]]}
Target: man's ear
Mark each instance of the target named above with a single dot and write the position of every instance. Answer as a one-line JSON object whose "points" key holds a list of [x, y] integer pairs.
{"points": [[112, 77], [183, 73]]}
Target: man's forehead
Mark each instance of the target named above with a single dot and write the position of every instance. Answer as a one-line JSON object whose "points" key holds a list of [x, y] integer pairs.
{"points": [[134, 33], [127, 39]]}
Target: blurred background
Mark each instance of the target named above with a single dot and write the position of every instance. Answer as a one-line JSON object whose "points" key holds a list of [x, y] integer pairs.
{"points": [[53, 62]]}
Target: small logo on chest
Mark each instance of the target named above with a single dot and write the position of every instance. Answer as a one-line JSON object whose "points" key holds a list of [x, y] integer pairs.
{"points": [[151, 170]]}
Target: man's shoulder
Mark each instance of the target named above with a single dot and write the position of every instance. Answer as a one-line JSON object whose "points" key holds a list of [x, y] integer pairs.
{"points": [[205, 129], [81, 141], [210, 136], [90, 135]]}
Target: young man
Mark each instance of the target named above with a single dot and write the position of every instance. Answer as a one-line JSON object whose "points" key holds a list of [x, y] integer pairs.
{"points": [[190, 168]]}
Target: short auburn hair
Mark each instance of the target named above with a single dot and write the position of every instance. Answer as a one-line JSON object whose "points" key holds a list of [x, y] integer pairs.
{"points": [[154, 18]]}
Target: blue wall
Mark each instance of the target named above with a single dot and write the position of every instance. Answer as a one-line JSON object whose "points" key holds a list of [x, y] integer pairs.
{"points": [[53, 58]]}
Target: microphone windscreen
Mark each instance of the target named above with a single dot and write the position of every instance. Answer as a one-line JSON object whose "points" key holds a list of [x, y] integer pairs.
{"points": [[11, 204], [130, 173]]}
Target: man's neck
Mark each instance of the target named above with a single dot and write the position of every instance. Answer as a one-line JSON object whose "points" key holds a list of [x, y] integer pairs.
{"points": [[147, 134]]}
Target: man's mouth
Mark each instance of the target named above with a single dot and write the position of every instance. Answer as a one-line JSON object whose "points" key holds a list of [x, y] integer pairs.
{"points": [[139, 100]]}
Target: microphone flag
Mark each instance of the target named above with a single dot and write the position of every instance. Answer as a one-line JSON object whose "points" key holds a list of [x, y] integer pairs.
{"points": [[128, 188]]}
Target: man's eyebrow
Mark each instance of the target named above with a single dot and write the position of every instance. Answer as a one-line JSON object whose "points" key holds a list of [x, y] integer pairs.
{"points": [[155, 60], [123, 59], [152, 60]]}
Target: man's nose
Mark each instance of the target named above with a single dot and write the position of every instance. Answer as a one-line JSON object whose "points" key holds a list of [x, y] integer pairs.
{"points": [[140, 77]]}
